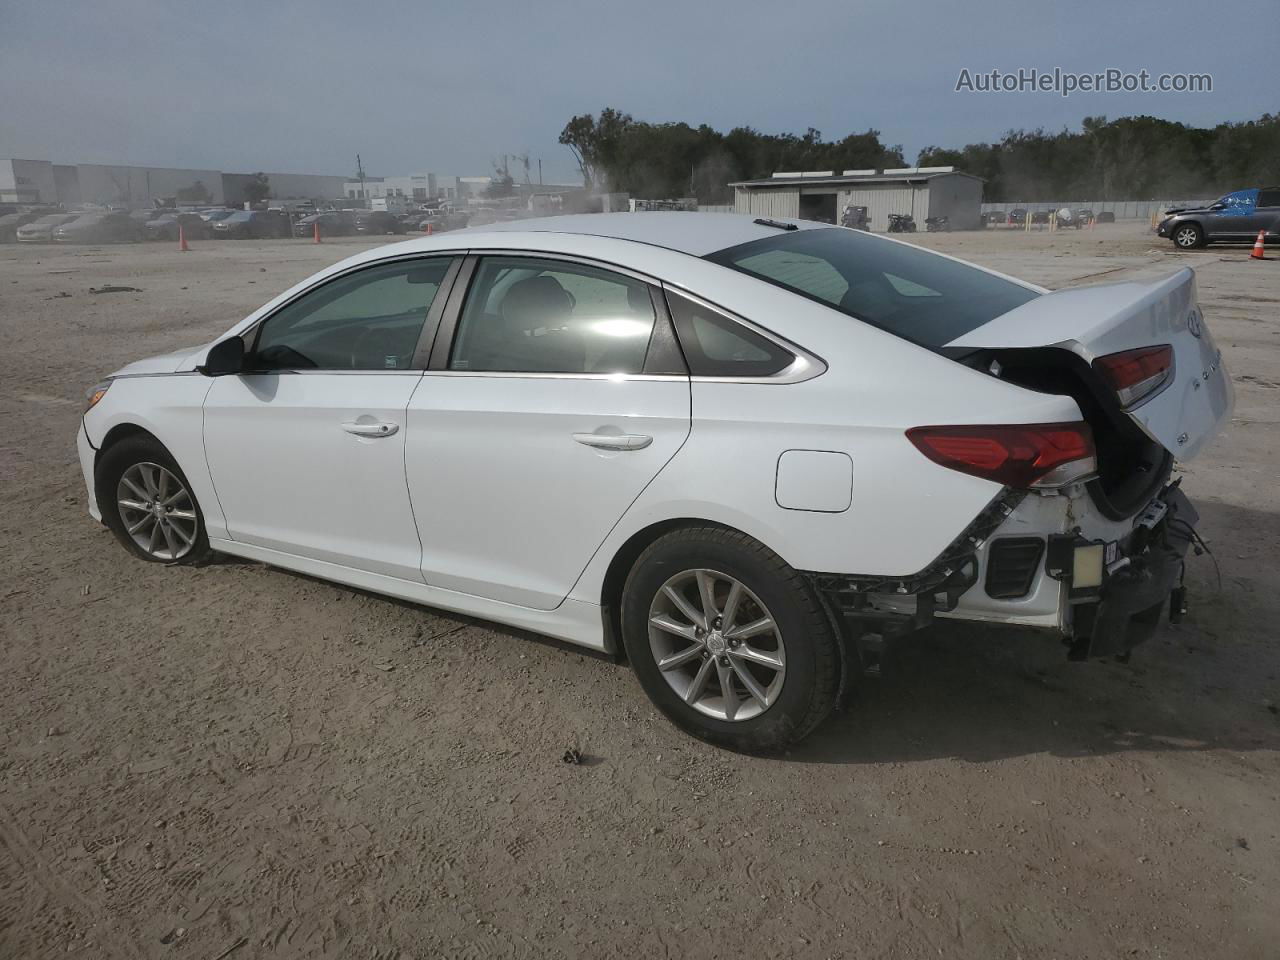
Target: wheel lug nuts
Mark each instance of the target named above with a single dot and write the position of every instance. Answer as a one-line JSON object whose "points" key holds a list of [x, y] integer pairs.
{"points": [[724, 661]]}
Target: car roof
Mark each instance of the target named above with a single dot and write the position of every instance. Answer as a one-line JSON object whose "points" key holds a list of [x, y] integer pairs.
{"points": [[697, 234]]}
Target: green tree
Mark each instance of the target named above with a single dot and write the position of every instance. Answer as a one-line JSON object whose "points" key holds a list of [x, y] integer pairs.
{"points": [[258, 188]]}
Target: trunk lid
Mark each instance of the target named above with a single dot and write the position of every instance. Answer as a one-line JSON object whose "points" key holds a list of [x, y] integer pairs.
{"points": [[1095, 321]]}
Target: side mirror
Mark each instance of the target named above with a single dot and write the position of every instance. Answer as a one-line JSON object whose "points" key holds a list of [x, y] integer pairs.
{"points": [[225, 357]]}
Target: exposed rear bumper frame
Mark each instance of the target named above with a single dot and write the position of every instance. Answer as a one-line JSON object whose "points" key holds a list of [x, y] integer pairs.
{"points": [[938, 587]]}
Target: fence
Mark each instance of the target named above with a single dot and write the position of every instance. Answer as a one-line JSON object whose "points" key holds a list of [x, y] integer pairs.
{"points": [[1123, 209]]}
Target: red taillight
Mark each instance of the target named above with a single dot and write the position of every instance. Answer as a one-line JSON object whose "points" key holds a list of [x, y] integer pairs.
{"points": [[1016, 455], [1136, 374]]}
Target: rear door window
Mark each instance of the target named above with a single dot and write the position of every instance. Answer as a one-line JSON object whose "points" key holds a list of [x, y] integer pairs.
{"points": [[525, 315]]}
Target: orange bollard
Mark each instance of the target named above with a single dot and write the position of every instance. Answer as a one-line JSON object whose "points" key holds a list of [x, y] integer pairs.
{"points": [[1259, 247], [428, 229], [182, 239], [316, 232]]}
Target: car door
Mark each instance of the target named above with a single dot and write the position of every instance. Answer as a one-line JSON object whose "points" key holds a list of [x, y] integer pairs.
{"points": [[1266, 215], [306, 450], [556, 392], [1234, 219]]}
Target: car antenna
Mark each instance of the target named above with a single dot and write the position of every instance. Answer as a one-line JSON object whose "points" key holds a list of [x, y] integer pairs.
{"points": [[776, 224]]}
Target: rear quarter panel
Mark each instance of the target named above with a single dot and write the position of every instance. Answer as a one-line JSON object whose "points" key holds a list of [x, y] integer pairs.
{"points": [[904, 509]]}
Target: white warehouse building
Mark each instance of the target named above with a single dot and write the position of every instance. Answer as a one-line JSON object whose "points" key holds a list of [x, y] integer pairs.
{"points": [[920, 192]]}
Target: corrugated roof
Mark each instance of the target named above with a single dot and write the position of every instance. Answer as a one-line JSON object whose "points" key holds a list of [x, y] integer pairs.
{"points": [[802, 180]]}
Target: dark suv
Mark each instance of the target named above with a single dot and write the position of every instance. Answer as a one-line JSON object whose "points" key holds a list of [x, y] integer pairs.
{"points": [[1237, 216]]}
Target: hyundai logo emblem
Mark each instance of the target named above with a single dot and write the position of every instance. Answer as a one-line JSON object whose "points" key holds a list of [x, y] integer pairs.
{"points": [[1193, 323]]}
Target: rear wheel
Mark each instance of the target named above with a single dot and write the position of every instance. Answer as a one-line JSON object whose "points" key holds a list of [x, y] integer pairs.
{"points": [[146, 501], [1188, 236], [728, 640]]}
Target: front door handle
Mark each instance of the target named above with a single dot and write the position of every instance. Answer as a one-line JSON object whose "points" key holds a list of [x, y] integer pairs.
{"points": [[370, 428], [614, 441]]}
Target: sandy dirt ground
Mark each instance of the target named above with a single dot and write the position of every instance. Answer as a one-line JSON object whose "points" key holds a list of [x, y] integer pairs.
{"points": [[238, 762]]}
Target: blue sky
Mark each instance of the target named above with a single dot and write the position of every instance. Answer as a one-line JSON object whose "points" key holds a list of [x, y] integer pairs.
{"points": [[303, 86]]}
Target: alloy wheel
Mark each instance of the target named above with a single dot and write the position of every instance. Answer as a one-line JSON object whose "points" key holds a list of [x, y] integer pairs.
{"points": [[1187, 237], [157, 511], [717, 645]]}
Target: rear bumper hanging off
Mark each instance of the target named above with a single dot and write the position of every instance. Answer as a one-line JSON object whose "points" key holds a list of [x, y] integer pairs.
{"points": [[1124, 609], [936, 588]]}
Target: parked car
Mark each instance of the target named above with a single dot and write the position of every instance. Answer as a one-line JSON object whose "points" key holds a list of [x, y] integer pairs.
{"points": [[1238, 215], [1084, 215], [377, 222], [1017, 217], [1040, 216], [583, 446], [114, 226], [1106, 216], [253, 224], [41, 230], [143, 217], [212, 216], [10, 222], [332, 224], [165, 227]]}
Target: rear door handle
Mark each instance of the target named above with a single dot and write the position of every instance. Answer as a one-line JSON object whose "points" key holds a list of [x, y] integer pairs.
{"points": [[375, 428], [614, 441]]}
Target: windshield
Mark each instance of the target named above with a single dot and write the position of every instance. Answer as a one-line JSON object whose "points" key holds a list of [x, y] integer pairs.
{"points": [[909, 292]]}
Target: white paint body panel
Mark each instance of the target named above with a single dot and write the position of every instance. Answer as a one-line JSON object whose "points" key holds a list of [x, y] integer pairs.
{"points": [[482, 503], [817, 480], [1109, 318], [509, 506], [291, 479]]}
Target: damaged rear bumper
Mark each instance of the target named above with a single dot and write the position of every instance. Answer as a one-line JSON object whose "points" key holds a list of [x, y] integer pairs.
{"points": [[1138, 576], [1100, 585]]}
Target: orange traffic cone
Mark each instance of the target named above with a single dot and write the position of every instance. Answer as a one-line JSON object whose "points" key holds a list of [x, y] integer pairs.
{"points": [[182, 239], [1259, 250], [316, 232]]}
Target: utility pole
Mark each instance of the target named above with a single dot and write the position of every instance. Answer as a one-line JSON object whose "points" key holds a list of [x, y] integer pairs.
{"points": [[360, 176], [539, 171]]}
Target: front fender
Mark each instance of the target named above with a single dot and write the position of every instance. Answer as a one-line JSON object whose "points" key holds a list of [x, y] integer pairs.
{"points": [[170, 408]]}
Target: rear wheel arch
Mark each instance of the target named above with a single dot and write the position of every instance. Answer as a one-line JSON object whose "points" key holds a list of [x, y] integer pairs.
{"points": [[625, 558]]}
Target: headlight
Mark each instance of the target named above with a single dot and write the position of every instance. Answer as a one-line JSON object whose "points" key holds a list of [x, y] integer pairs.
{"points": [[96, 394]]}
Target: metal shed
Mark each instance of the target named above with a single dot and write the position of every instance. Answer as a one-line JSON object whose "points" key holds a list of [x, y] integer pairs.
{"points": [[922, 192]]}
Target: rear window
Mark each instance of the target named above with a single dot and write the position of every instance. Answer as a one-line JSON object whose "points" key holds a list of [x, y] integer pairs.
{"points": [[904, 290]]}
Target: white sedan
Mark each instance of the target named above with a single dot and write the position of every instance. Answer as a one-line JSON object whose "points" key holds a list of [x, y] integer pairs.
{"points": [[742, 452]]}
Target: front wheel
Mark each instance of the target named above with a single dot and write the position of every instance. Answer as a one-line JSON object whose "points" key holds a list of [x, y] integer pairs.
{"points": [[728, 640], [1188, 236], [146, 501]]}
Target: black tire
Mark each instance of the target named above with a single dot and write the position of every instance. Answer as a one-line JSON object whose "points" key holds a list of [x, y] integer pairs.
{"points": [[112, 464], [811, 680], [1188, 236]]}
